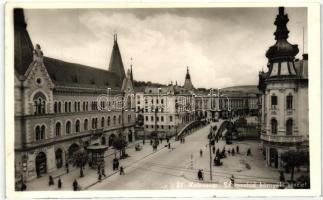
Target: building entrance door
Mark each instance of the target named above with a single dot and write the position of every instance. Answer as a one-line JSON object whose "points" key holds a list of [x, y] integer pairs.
{"points": [[41, 166]]}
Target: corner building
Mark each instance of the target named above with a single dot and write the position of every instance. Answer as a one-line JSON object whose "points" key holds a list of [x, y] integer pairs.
{"points": [[58, 109], [284, 97]]}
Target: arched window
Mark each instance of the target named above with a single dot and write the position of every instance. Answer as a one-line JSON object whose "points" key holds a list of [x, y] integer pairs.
{"points": [[77, 126], [58, 129], [114, 120], [55, 107], [59, 107], [119, 119], [289, 127], [79, 106], [68, 127], [108, 122], [273, 126], [86, 122], [39, 103], [37, 133], [102, 122], [83, 106], [289, 101], [70, 107], [75, 106], [40, 132], [66, 107]]}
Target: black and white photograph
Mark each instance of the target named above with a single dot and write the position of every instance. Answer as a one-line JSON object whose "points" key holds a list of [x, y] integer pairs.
{"points": [[206, 98]]}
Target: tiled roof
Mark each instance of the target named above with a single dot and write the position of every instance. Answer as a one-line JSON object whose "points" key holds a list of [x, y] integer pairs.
{"points": [[71, 74]]}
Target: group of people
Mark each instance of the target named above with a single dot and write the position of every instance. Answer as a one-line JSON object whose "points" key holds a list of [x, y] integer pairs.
{"points": [[51, 182], [182, 140]]}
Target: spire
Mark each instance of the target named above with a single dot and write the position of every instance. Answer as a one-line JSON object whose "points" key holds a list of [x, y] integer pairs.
{"points": [[23, 47], [188, 76], [280, 22], [131, 73], [188, 83], [282, 50], [116, 64]]}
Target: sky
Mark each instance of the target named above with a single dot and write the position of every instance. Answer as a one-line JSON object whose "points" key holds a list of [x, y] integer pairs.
{"points": [[222, 47]]}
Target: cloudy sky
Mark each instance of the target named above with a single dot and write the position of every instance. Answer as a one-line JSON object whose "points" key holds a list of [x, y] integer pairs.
{"points": [[222, 46]]}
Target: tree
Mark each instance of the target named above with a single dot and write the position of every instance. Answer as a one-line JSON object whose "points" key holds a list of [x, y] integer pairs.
{"points": [[120, 144], [79, 159], [294, 159]]}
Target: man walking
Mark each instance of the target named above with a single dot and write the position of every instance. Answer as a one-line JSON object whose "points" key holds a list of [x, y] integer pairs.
{"points": [[75, 185], [59, 183]]}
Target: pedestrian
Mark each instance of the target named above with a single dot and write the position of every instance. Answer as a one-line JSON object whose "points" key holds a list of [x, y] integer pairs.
{"points": [[282, 177], [117, 164], [213, 149], [143, 141], [229, 152], [167, 140], [100, 177], [51, 181], [200, 175], [67, 168], [121, 170], [59, 183], [248, 152], [99, 169], [232, 152], [232, 181], [75, 185], [201, 153], [103, 172], [151, 142], [237, 149], [168, 145]]}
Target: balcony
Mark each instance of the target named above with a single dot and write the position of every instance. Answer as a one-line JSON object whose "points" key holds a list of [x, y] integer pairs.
{"points": [[282, 138]]}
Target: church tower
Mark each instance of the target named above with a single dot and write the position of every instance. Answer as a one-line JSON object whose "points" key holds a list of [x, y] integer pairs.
{"points": [[285, 92], [116, 64], [188, 83]]}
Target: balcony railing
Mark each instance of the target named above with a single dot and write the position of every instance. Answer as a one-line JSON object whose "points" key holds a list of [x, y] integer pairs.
{"points": [[282, 138]]}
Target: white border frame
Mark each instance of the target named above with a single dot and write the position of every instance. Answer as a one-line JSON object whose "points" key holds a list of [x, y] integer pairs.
{"points": [[314, 107]]}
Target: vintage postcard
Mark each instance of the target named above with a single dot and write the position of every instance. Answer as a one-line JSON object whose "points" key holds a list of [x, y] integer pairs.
{"points": [[162, 100]]}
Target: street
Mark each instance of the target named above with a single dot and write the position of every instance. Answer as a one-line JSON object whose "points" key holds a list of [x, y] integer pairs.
{"points": [[175, 169]]}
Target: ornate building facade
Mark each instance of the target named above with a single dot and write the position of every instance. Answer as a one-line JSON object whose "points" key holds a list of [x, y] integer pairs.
{"points": [[61, 107], [284, 114]]}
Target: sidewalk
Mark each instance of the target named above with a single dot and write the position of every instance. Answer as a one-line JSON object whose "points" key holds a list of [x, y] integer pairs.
{"points": [[90, 175], [246, 169]]}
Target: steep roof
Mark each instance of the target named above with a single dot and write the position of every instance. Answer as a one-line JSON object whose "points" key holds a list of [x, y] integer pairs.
{"points": [[72, 74], [23, 47], [116, 64]]}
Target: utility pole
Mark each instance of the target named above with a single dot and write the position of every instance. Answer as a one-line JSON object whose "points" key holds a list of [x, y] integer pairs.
{"points": [[210, 138]]}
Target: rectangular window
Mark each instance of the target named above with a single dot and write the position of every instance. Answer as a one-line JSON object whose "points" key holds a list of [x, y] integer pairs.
{"points": [[289, 102], [273, 102]]}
